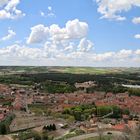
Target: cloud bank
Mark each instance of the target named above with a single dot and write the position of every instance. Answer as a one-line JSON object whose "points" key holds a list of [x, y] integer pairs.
{"points": [[64, 46], [48, 55]]}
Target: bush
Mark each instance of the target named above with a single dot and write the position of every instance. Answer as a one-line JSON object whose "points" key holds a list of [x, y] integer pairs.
{"points": [[51, 127], [4, 125], [3, 129]]}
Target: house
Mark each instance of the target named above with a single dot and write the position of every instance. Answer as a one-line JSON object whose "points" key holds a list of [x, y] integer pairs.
{"points": [[89, 127], [39, 99], [83, 86], [19, 102], [119, 127]]}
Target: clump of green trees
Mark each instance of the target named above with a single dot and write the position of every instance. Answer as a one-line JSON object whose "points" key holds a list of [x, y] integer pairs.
{"points": [[83, 112], [117, 112], [134, 92], [51, 127], [53, 87], [4, 125]]}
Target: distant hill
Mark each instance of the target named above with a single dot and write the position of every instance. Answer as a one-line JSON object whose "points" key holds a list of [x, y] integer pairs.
{"points": [[72, 70]]}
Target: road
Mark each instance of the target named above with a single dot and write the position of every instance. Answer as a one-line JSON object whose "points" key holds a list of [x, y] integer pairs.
{"points": [[85, 136]]}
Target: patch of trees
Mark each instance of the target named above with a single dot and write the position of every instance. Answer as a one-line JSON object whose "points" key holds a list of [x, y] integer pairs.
{"points": [[105, 82], [83, 112], [104, 110], [51, 127], [15, 79], [3, 129], [4, 125], [52, 87], [32, 135], [134, 92], [7, 103], [107, 87]]}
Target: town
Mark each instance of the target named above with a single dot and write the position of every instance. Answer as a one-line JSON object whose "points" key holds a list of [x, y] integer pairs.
{"points": [[31, 110]]}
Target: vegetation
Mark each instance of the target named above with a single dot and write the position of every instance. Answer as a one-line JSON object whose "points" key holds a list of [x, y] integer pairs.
{"points": [[83, 112], [32, 135], [51, 127], [4, 125], [7, 103], [134, 92], [62, 79], [39, 109], [55, 87], [104, 110]]}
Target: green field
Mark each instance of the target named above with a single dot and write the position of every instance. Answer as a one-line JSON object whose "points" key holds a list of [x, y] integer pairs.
{"points": [[93, 70], [80, 70], [72, 70]]}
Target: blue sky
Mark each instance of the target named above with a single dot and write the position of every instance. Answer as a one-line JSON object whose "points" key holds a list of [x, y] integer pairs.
{"points": [[70, 32]]}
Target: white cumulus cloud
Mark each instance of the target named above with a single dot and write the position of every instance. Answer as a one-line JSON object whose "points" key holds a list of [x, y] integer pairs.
{"points": [[8, 9], [39, 33], [137, 36], [136, 20], [10, 35], [73, 30], [85, 45], [137, 52], [112, 9], [65, 40]]}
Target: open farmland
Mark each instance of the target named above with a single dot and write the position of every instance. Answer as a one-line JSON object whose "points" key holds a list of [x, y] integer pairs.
{"points": [[7, 70]]}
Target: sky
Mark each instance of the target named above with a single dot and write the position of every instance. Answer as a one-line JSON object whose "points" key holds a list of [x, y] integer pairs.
{"points": [[97, 33]]}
